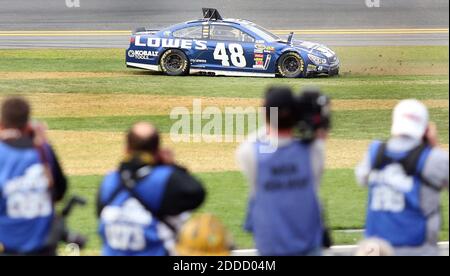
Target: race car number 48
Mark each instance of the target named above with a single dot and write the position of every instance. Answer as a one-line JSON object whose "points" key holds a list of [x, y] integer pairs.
{"points": [[236, 55]]}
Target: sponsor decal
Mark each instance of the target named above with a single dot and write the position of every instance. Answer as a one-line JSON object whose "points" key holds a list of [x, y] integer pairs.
{"points": [[141, 54], [205, 30], [156, 42], [263, 49], [198, 60], [269, 49], [266, 65], [259, 55], [259, 48], [260, 64], [311, 67]]}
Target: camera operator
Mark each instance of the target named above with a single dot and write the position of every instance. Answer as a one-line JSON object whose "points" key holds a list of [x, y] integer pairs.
{"points": [[405, 176], [284, 212], [141, 206], [31, 181]]}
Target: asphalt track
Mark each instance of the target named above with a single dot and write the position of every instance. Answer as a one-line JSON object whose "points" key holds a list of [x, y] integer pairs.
{"points": [[106, 23]]}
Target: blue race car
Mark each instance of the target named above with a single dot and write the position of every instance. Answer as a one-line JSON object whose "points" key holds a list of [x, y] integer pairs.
{"points": [[227, 47]]}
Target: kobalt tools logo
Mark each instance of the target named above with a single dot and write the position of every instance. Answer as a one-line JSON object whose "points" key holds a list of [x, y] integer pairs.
{"points": [[373, 3], [73, 3], [157, 42], [140, 54]]}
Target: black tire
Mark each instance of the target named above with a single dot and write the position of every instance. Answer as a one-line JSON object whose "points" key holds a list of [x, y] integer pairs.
{"points": [[291, 65], [174, 63]]}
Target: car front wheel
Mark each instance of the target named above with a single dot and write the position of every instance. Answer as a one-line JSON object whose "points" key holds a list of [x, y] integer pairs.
{"points": [[291, 65], [174, 63]]}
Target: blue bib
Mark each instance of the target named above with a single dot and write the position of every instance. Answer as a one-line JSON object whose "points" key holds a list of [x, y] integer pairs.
{"points": [[284, 213], [127, 228], [394, 212], [26, 208]]}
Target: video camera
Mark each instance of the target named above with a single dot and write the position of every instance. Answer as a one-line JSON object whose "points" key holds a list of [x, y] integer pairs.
{"points": [[314, 113]]}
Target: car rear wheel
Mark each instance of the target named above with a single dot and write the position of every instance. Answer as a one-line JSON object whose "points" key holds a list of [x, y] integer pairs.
{"points": [[291, 65], [174, 63]]}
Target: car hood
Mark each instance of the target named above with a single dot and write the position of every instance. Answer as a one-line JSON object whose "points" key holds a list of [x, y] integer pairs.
{"points": [[313, 48]]}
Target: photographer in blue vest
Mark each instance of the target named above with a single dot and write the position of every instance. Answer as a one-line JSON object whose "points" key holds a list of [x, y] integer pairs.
{"points": [[405, 176], [284, 213], [31, 181], [143, 204]]}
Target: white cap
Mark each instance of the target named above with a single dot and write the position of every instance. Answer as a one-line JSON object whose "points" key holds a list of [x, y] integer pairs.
{"points": [[410, 118]]}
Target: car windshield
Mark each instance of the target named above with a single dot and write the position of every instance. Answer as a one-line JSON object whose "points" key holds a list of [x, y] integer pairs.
{"points": [[263, 33]]}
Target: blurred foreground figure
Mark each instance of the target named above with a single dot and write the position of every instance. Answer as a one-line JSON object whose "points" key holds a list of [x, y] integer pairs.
{"points": [[374, 248], [31, 181], [204, 235], [142, 205], [405, 176], [284, 214]]}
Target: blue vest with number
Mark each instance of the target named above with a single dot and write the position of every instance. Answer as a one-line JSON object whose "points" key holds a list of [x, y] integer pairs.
{"points": [[395, 214], [26, 208], [127, 228], [284, 213]]}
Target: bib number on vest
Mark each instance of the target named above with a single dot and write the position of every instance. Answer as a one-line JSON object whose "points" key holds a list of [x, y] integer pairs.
{"points": [[386, 199], [389, 188], [27, 197], [125, 237], [125, 225]]}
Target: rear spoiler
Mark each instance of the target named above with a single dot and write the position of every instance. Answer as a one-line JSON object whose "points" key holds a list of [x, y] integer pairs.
{"points": [[145, 30]]}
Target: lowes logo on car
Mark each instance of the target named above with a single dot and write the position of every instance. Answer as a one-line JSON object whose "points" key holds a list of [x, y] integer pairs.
{"points": [[156, 42], [140, 54]]}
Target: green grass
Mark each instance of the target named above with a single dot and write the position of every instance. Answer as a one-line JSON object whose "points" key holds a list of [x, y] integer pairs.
{"points": [[359, 124], [375, 124], [62, 60], [343, 199], [351, 87]]}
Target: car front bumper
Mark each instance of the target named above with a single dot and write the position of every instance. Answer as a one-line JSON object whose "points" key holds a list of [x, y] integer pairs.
{"points": [[331, 69]]}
